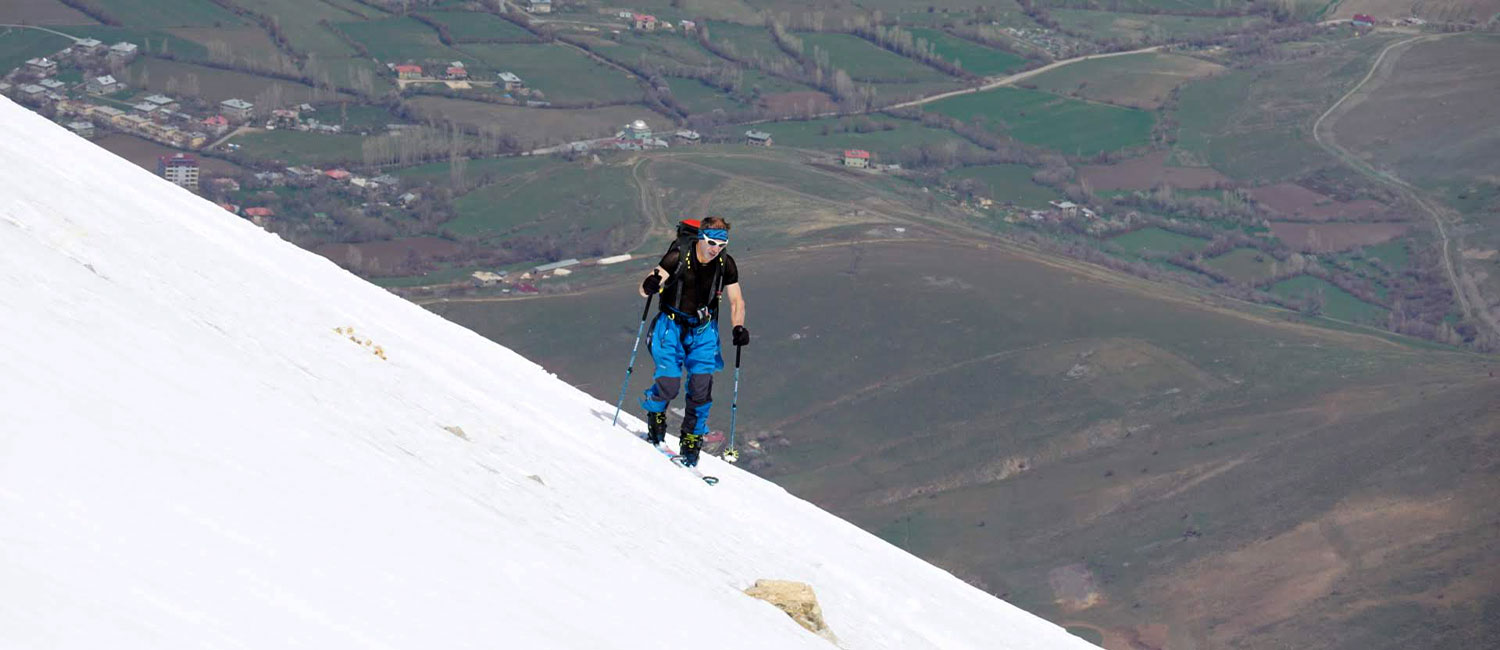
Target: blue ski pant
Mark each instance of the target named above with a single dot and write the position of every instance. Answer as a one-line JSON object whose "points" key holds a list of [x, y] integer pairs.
{"points": [[676, 345]]}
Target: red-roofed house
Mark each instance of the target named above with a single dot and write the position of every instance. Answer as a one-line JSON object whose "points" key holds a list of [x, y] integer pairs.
{"points": [[216, 124], [338, 174], [645, 22], [856, 158], [455, 72], [408, 72], [1364, 20], [259, 212]]}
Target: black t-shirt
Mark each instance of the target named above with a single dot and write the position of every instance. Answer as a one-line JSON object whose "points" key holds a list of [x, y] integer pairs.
{"points": [[698, 280]]}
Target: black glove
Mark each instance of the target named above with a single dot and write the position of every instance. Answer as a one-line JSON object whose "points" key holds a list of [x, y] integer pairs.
{"points": [[652, 284], [741, 335]]}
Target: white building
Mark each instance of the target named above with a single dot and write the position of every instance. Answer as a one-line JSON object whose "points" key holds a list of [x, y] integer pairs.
{"points": [[539, 6], [123, 51], [104, 85], [180, 169]]}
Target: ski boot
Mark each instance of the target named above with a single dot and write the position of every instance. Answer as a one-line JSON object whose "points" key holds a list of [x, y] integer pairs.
{"points": [[656, 427], [690, 445]]}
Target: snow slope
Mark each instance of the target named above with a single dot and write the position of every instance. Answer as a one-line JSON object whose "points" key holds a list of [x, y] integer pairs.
{"points": [[192, 457]]}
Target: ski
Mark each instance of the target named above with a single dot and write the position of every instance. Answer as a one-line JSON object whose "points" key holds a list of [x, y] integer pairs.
{"points": [[677, 460]]}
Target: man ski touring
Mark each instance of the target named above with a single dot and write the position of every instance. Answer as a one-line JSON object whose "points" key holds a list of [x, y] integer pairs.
{"points": [[685, 334]]}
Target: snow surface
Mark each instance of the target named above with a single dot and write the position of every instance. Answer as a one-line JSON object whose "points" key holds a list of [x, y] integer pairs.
{"points": [[192, 457]]}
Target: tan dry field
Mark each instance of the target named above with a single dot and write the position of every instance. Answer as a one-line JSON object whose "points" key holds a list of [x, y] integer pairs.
{"points": [[1293, 201], [145, 152], [382, 257], [1432, 112], [217, 85], [536, 127], [1436, 10], [810, 101], [232, 45], [1329, 237], [1139, 80], [1147, 171], [41, 12]]}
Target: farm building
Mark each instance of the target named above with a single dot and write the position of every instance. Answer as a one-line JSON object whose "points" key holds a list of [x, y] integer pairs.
{"points": [[856, 158], [1067, 208], [1363, 20], [408, 72], [545, 268], [539, 6], [687, 135], [758, 138]]}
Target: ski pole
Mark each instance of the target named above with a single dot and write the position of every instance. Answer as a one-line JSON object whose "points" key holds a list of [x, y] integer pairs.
{"points": [[631, 368], [732, 455]]}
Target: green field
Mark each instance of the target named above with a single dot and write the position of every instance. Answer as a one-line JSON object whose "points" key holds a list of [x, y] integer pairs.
{"points": [[300, 19], [1008, 183], [561, 73], [215, 85], [475, 26], [748, 43], [1241, 265], [868, 62], [1337, 303], [1157, 240], [698, 97], [1256, 125], [400, 40], [1139, 28], [177, 13], [835, 133], [1067, 125], [570, 201], [352, 72], [149, 40], [18, 45], [631, 48], [970, 56]]}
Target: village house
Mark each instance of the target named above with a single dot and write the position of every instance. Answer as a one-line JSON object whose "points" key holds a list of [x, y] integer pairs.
{"points": [[510, 81], [856, 158], [32, 93], [52, 85], [1066, 208], [216, 125], [1363, 20], [84, 129], [643, 22], [539, 6], [225, 184], [688, 26], [758, 138], [338, 174], [5, 87], [122, 52], [282, 118], [458, 72], [163, 102], [88, 47], [259, 212], [236, 109], [689, 136], [144, 108], [105, 85], [42, 66], [408, 71]]}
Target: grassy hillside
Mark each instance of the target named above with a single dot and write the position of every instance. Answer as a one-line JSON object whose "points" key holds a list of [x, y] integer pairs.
{"points": [[1098, 454]]}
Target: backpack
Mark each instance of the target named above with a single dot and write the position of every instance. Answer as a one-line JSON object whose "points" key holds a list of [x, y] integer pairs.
{"points": [[687, 235]]}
